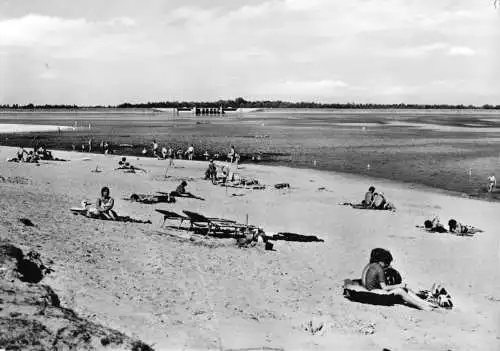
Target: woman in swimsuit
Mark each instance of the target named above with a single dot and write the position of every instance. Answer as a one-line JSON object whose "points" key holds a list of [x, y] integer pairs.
{"points": [[105, 203], [373, 279]]}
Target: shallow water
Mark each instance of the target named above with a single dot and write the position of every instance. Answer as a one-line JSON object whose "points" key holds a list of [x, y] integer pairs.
{"points": [[452, 150]]}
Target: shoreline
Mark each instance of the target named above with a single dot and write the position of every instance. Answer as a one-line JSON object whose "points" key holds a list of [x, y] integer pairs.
{"points": [[278, 164]]}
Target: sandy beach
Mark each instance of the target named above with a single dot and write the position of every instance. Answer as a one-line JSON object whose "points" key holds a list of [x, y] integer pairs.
{"points": [[28, 128], [173, 292]]}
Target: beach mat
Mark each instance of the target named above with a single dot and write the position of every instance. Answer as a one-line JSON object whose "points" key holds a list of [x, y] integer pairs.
{"points": [[354, 291], [362, 207]]}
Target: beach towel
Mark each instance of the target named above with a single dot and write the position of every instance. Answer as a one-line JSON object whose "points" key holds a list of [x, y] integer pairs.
{"points": [[354, 291], [469, 233], [388, 207]]}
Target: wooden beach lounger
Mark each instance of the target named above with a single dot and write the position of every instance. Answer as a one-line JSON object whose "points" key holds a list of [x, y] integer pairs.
{"points": [[171, 215], [198, 221]]}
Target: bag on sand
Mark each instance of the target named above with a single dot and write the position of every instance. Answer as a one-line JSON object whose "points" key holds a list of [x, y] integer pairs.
{"points": [[438, 295]]}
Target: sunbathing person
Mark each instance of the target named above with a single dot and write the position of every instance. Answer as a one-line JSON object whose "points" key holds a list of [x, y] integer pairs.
{"points": [[462, 229], [181, 192], [123, 164], [104, 205], [373, 279], [367, 202], [434, 226], [380, 202], [152, 199]]}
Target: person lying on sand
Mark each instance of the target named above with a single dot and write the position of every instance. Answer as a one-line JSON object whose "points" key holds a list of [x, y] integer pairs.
{"points": [[434, 226], [373, 279], [462, 229], [181, 192], [123, 164], [152, 199]]}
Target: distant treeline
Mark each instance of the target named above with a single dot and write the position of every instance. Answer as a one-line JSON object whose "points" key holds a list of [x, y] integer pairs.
{"points": [[241, 102]]}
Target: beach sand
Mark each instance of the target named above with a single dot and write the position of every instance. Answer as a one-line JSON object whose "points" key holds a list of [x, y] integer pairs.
{"points": [[29, 128], [157, 285]]}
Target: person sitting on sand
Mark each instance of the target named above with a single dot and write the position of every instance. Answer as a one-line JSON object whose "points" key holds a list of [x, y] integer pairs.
{"points": [[462, 229], [211, 172], [373, 279], [434, 226], [20, 154], [104, 205], [492, 183], [367, 202], [379, 201], [181, 192]]}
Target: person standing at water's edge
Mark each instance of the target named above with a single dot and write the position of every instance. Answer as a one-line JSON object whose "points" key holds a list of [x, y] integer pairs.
{"points": [[155, 148], [190, 152], [492, 183], [231, 154]]}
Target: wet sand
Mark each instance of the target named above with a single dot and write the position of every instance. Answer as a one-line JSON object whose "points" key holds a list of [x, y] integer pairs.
{"points": [[174, 292]]}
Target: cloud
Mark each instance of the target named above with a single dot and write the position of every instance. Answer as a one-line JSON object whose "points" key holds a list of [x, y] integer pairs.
{"points": [[461, 51], [47, 31]]}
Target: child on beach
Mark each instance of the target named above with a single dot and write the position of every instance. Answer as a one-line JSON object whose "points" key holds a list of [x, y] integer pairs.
{"points": [[373, 279]]}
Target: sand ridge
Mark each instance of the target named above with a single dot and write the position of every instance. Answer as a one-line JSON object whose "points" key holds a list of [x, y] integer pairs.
{"points": [[157, 285]]}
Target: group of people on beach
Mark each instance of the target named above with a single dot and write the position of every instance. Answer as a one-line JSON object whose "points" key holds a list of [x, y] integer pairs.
{"points": [[33, 156], [455, 227], [376, 200]]}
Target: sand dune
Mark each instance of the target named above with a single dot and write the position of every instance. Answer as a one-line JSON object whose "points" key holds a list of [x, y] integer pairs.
{"points": [[175, 293]]}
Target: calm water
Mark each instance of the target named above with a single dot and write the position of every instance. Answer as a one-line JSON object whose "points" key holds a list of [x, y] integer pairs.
{"points": [[450, 150]]}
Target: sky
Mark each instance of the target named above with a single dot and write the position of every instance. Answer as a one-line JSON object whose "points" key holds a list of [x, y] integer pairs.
{"points": [[107, 52]]}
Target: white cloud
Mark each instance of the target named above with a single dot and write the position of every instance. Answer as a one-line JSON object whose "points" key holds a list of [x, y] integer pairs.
{"points": [[46, 31], [33, 29], [461, 51]]}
